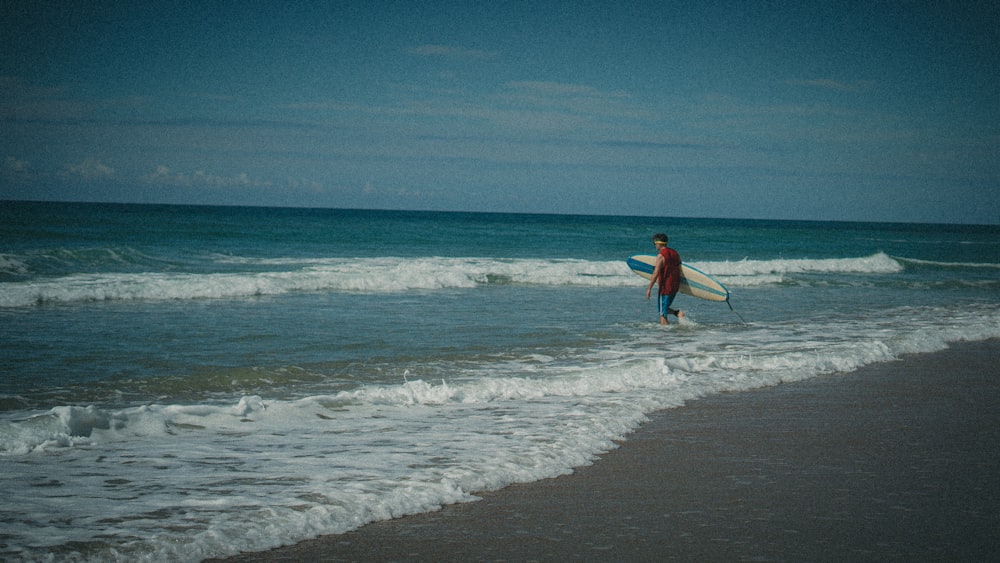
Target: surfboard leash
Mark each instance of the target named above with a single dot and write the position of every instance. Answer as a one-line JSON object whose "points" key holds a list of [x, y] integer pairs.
{"points": [[735, 311]]}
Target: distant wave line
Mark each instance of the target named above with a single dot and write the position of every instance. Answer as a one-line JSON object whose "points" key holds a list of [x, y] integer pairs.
{"points": [[949, 264]]}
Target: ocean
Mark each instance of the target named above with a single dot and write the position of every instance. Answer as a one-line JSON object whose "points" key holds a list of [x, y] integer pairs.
{"points": [[186, 382]]}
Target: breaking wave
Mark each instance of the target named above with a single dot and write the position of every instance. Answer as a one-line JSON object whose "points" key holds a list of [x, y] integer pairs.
{"points": [[268, 277]]}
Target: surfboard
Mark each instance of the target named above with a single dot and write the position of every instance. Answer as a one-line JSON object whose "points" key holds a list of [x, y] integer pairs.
{"points": [[694, 282]]}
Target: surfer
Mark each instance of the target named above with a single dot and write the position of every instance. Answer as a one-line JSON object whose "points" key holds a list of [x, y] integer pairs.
{"points": [[667, 275]]}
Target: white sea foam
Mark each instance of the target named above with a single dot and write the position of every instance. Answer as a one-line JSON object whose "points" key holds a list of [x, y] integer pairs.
{"points": [[12, 265], [212, 479], [987, 265], [158, 429], [396, 274], [879, 263]]}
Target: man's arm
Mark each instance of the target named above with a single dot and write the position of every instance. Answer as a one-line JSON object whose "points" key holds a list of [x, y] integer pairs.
{"points": [[660, 264]]}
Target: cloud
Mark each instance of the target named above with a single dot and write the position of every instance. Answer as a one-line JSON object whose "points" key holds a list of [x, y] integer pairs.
{"points": [[830, 84], [213, 97], [14, 171], [633, 144], [313, 106], [89, 169], [199, 178], [305, 185], [567, 106], [23, 101], [561, 89], [451, 52], [12, 164], [522, 105]]}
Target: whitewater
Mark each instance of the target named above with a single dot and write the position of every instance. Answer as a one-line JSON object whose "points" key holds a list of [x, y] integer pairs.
{"points": [[258, 376], [392, 274]]}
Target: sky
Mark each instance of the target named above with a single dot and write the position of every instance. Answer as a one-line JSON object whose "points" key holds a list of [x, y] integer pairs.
{"points": [[820, 110]]}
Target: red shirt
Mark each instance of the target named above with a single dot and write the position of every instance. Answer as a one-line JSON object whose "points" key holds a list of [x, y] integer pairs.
{"points": [[670, 274]]}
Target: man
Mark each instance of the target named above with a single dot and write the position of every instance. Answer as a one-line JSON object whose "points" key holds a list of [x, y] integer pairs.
{"points": [[667, 275]]}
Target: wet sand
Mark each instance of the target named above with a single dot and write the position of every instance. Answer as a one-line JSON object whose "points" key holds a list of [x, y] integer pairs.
{"points": [[897, 461]]}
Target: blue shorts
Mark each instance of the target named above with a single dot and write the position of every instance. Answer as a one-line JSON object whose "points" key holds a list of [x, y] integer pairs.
{"points": [[665, 302]]}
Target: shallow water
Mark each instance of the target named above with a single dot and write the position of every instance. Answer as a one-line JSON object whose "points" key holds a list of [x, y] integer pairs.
{"points": [[186, 382]]}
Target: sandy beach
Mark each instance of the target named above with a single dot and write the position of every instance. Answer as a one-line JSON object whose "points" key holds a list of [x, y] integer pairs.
{"points": [[896, 461]]}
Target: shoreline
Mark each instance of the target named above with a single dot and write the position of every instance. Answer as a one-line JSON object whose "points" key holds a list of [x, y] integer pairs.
{"points": [[897, 460]]}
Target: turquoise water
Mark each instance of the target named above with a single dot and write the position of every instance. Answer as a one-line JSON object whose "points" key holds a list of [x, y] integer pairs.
{"points": [[185, 382]]}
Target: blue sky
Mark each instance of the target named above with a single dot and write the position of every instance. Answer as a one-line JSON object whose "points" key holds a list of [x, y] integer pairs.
{"points": [[856, 110]]}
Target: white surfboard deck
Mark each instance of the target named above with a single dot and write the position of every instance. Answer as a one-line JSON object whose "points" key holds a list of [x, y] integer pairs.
{"points": [[694, 282]]}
